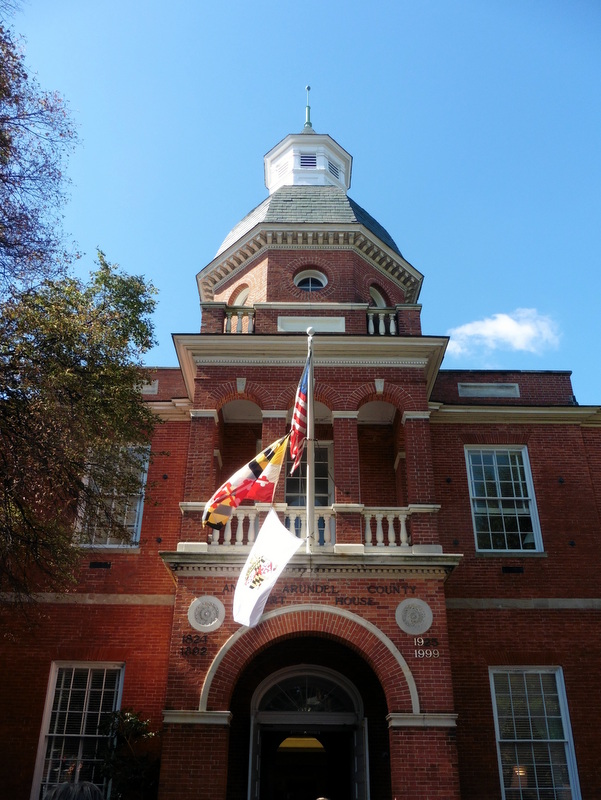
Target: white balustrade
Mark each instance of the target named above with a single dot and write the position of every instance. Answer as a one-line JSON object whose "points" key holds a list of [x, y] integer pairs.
{"points": [[382, 321], [386, 527], [234, 317]]}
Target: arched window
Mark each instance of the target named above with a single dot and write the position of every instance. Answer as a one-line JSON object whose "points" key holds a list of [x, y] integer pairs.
{"points": [[377, 298], [310, 280], [240, 296]]}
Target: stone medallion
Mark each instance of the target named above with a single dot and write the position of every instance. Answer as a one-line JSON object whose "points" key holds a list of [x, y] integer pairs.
{"points": [[414, 616], [206, 613]]}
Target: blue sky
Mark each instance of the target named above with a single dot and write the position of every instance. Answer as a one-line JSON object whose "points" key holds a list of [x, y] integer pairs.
{"points": [[475, 128]]}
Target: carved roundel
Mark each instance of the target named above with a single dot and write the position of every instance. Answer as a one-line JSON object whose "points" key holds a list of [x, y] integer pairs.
{"points": [[414, 616], [206, 613]]}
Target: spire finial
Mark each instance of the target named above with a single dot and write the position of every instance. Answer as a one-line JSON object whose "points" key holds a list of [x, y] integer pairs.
{"points": [[308, 110]]}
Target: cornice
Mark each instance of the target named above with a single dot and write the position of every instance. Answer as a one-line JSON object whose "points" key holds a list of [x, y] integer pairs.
{"points": [[537, 415], [303, 236], [177, 409], [317, 566], [424, 353]]}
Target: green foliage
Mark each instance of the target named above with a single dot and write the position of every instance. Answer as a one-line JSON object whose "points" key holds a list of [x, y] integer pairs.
{"points": [[131, 762], [73, 425]]}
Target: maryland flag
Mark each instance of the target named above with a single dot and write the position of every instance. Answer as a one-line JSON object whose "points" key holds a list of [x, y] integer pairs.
{"points": [[255, 481]]}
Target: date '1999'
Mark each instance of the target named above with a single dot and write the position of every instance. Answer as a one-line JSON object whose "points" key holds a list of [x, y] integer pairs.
{"points": [[426, 648]]}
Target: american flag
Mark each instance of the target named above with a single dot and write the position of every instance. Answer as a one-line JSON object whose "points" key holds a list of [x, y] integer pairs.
{"points": [[298, 430]]}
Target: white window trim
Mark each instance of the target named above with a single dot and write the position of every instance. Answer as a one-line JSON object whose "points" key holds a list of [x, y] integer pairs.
{"points": [[134, 541], [50, 692], [322, 445], [565, 719], [538, 541], [311, 273]]}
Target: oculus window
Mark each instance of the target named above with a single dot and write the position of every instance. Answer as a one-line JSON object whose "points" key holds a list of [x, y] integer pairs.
{"points": [[502, 498], [310, 280]]}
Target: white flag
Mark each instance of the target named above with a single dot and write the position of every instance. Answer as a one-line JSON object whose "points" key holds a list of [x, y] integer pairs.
{"points": [[272, 550]]}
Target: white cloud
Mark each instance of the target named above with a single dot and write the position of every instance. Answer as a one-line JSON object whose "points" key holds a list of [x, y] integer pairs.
{"points": [[524, 329]]}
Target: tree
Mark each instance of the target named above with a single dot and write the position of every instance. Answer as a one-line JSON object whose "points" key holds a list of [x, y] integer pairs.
{"points": [[36, 136], [73, 424], [131, 760]]}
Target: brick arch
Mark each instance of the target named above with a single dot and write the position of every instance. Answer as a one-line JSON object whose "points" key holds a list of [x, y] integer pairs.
{"points": [[306, 262], [255, 392], [388, 288], [342, 625], [238, 290], [396, 395], [323, 394]]}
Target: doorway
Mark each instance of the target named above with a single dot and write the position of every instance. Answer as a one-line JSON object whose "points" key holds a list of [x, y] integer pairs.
{"points": [[300, 766], [309, 737]]}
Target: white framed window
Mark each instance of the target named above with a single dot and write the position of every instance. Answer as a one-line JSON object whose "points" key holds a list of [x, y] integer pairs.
{"points": [[127, 510], [296, 484], [534, 739], [81, 697], [310, 280], [502, 498], [296, 492]]}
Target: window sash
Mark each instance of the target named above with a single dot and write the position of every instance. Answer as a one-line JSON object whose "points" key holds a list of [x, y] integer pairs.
{"points": [[81, 697], [534, 744], [503, 507], [129, 511], [296, 484]]}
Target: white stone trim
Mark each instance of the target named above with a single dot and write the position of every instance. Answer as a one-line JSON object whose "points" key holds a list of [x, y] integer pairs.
{"points": [[319, 610], [319, 324], [183, 717], [96, 599], [414, 415], [396, 720], [191, 505], [201, 413], [345, 415]]}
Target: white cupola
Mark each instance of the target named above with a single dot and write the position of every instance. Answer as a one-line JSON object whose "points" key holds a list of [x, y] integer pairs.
{"points": [[307, 159]]}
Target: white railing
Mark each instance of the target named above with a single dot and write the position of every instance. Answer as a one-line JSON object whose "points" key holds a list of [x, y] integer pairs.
{"points": [[243, 525], [381, 322], [386, 527], [234, 317]]}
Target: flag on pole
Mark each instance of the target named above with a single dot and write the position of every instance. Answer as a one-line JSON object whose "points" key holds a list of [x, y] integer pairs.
{"points": [[255, 481], [272, 550], [298, 428]]}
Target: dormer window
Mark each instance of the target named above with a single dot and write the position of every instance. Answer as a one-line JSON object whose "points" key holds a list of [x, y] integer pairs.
{"points": [[308, 161], [310, 280]]}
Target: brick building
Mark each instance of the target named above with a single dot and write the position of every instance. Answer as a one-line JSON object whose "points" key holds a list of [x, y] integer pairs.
{"points": [[439, 640]]}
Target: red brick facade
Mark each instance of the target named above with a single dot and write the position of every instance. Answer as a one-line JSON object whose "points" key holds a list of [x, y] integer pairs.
{"points": [[403, 612]]}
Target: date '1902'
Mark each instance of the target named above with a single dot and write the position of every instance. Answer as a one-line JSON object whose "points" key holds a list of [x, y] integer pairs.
{"points": [[426, 648], [193, 644]]}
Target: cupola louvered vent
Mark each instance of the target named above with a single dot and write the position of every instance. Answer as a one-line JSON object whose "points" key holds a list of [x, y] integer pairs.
{"points": [[281, 168], [334, 169], [308, 161]]}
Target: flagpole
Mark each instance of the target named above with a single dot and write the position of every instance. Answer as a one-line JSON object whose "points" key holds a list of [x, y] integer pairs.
{"points": [[310, 443]]}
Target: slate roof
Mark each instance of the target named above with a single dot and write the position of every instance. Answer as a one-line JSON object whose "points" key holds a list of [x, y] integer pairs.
{"points": [[308, 204]]}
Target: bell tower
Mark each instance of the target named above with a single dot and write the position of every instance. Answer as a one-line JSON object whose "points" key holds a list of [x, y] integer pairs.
{"points": [[368, 590]]}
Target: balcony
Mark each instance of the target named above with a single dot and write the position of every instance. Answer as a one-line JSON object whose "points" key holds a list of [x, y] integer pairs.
{"points": [[381, 529]]}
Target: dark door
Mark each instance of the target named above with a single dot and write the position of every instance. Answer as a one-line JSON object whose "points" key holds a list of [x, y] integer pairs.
{"points": [[299, 766]]}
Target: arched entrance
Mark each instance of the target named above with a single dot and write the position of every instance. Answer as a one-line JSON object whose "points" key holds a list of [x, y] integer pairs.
{"points": [[308, 737], [363, 736]]}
